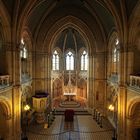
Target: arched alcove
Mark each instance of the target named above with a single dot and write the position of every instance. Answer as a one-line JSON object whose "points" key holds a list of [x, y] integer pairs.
{"points": [[26, 55], [82, 88], [57, 88], [113, 50], [133, 115], [69, 46], [5, 116]]}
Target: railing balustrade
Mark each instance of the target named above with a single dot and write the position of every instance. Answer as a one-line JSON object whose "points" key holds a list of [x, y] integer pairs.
{"points": [[135, 81], [4, 80]]}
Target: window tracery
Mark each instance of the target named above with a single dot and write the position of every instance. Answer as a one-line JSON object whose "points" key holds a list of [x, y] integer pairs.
{"points": [[84, 60], [115, 56], [23, 50], [55, 61], [69, 61]]}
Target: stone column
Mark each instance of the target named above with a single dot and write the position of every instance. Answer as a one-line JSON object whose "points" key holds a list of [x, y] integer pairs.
{"points": [[49, 60], [99, 80], [16, 105], [16, 96], [122, 103], [9, 62], [90, 88], [130, 59], [48, 76]]}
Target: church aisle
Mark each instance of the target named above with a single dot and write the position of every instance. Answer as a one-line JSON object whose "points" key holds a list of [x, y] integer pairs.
{"points": [[90, 130], [83, 127]]}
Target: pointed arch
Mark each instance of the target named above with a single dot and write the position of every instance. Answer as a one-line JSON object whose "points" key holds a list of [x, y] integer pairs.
{"points": [[69, 60], [26, 47], [57, 88], [6, 107], [72, 22], [55, 60], [82, 88], [84, 60], [113, 54], [132, 103]]}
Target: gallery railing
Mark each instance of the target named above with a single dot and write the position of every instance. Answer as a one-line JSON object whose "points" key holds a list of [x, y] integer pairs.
{"points": [[135, 81], [4, 81]]}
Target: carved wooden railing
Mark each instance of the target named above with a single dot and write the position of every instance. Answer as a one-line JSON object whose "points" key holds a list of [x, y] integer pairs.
{"points": [[135, 80], [4, 80]]}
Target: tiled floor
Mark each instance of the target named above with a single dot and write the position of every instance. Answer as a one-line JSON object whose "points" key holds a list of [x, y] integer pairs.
{"points": [[82, 128]]}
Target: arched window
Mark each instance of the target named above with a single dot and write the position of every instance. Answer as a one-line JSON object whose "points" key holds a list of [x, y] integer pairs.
{"points": [[115, 56], [84, 61], [23, 50], [55, 61], [24, 61], [69, 61]]}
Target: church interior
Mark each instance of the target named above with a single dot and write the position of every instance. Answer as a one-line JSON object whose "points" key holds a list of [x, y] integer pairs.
{"points": [[69, 69]]}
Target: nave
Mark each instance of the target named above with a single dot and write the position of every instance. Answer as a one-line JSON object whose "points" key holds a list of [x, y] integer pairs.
{"points": [[69, 49], [84, 127], [60, 126]]}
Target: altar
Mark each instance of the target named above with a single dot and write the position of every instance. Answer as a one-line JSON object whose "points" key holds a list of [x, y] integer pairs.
{"points": [[70, 96], [69, 89]]}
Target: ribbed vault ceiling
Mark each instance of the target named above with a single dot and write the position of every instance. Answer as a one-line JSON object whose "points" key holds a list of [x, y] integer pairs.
{"points": [[36, 12], [97, 12], [70, 39]]}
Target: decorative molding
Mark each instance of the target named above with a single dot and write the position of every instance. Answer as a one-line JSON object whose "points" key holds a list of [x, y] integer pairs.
{"points": [[56, 74], [83, 75]]}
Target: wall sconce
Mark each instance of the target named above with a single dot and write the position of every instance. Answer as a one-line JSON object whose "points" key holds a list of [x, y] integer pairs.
{"points": [[111, 107], [27, 107]]}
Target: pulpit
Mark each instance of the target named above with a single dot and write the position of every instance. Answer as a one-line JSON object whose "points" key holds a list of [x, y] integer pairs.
{"points": [[69, 115], [40, 103]]}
